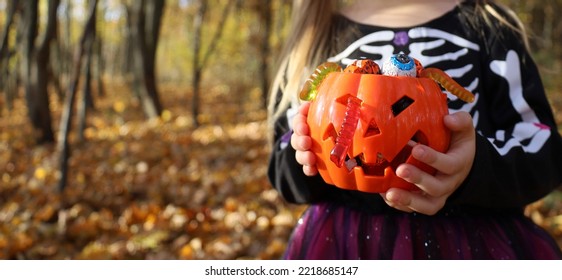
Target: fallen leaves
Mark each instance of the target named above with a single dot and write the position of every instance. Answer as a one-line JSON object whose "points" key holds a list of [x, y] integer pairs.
{"points": [[547, 213], [158, 189]]}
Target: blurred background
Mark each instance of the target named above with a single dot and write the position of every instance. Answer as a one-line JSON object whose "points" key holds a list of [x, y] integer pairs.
{"points": [[137, 129]]}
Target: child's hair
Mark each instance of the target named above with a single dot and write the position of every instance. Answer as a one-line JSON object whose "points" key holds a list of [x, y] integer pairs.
{"points": [[305, 46], [311, 39]]}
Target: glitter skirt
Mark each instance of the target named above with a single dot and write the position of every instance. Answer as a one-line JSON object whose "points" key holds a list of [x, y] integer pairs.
{"points": [[328, 231]]}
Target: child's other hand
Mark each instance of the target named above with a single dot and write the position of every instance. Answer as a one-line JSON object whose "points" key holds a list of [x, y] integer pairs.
{"points": [[452, 169], [302, 142]]}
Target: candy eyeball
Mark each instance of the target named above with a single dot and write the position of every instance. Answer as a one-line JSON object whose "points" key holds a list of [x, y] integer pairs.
{"points": [[399, 65]]}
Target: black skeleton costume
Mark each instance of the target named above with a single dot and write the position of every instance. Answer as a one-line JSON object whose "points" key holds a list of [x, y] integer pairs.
{"points": [[518, 154], [519, 151]]}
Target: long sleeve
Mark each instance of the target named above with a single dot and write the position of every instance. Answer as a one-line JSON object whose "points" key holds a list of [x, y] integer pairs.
{"points": [[286, 175], [518, 156], [518, 148]]}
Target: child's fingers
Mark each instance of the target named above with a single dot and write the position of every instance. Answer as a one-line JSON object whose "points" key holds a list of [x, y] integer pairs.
{"points": [[393, 201], [301, 127], [461, 150], [305, 158], [309, 170], [301, 143], [303, 109], [442, 162], [423, 180], [308, 161], [459, 121], [409, 201]]}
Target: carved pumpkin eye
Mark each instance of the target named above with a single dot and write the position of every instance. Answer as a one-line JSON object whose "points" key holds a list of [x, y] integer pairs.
{"points": [[401, 105]]}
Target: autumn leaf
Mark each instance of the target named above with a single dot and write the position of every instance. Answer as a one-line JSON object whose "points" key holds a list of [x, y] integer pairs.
{"points": [[144, 189]]}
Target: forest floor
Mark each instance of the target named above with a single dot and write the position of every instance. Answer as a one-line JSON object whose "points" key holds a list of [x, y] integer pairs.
{"points": [[158, 189], [138, 189]]}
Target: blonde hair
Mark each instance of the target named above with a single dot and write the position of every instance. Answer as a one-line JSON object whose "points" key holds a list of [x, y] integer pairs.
{"points": [[305, 46], [489, 11], [310, 41]]}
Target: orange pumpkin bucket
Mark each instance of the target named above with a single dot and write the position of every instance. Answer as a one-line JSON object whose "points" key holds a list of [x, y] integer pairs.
{"points": [[363, 127]]}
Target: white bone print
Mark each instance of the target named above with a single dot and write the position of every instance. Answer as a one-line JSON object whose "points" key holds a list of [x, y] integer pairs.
{"points": [[530, 128], [530, 131]]}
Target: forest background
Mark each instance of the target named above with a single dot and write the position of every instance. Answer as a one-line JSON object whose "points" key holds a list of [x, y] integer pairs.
{"points": [[136, 129]]}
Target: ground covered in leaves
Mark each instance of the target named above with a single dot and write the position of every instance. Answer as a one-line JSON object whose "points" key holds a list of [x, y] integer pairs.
{"points": [[137, 189], [158, 189]]}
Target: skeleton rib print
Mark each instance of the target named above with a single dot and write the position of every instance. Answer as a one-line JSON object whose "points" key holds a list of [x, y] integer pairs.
{"points": [[444, 50]]}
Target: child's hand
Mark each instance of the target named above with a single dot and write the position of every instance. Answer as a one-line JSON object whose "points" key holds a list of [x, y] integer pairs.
{"points": [[452, 169], [302, 142]]}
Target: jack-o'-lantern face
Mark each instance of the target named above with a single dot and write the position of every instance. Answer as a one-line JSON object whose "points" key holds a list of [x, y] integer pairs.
{"points": [[392, 112]]}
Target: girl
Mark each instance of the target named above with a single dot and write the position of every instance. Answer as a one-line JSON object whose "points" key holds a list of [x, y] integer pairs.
{"points": [[505, 150]]}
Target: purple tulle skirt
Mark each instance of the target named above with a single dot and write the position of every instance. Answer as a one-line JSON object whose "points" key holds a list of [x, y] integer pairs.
{"points": [[328, 231]]}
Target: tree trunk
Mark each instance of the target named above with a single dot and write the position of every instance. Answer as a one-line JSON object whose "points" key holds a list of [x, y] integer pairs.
{"points": [[6, 75], [29, 27], [146, 19], [266, 22], [153, 17], [198, 26], [199, 61], [99, 66], [61, 56], [10, 12], [36, 70], [87, 101], [85, 46], [127, 48]]}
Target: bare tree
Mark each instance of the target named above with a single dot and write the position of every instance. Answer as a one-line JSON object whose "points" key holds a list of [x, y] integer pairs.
{"points": [[10, 14], [8, 77], [127, 46], [61, 56], [35, 60], [86, 102], [200, 60], [198, 26], [265, 13], [85, 46], [98, 46], [146, 18]]}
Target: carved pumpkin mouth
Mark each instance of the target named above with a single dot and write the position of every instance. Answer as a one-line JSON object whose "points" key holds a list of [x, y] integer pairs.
{"points": [[378, 168]]}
